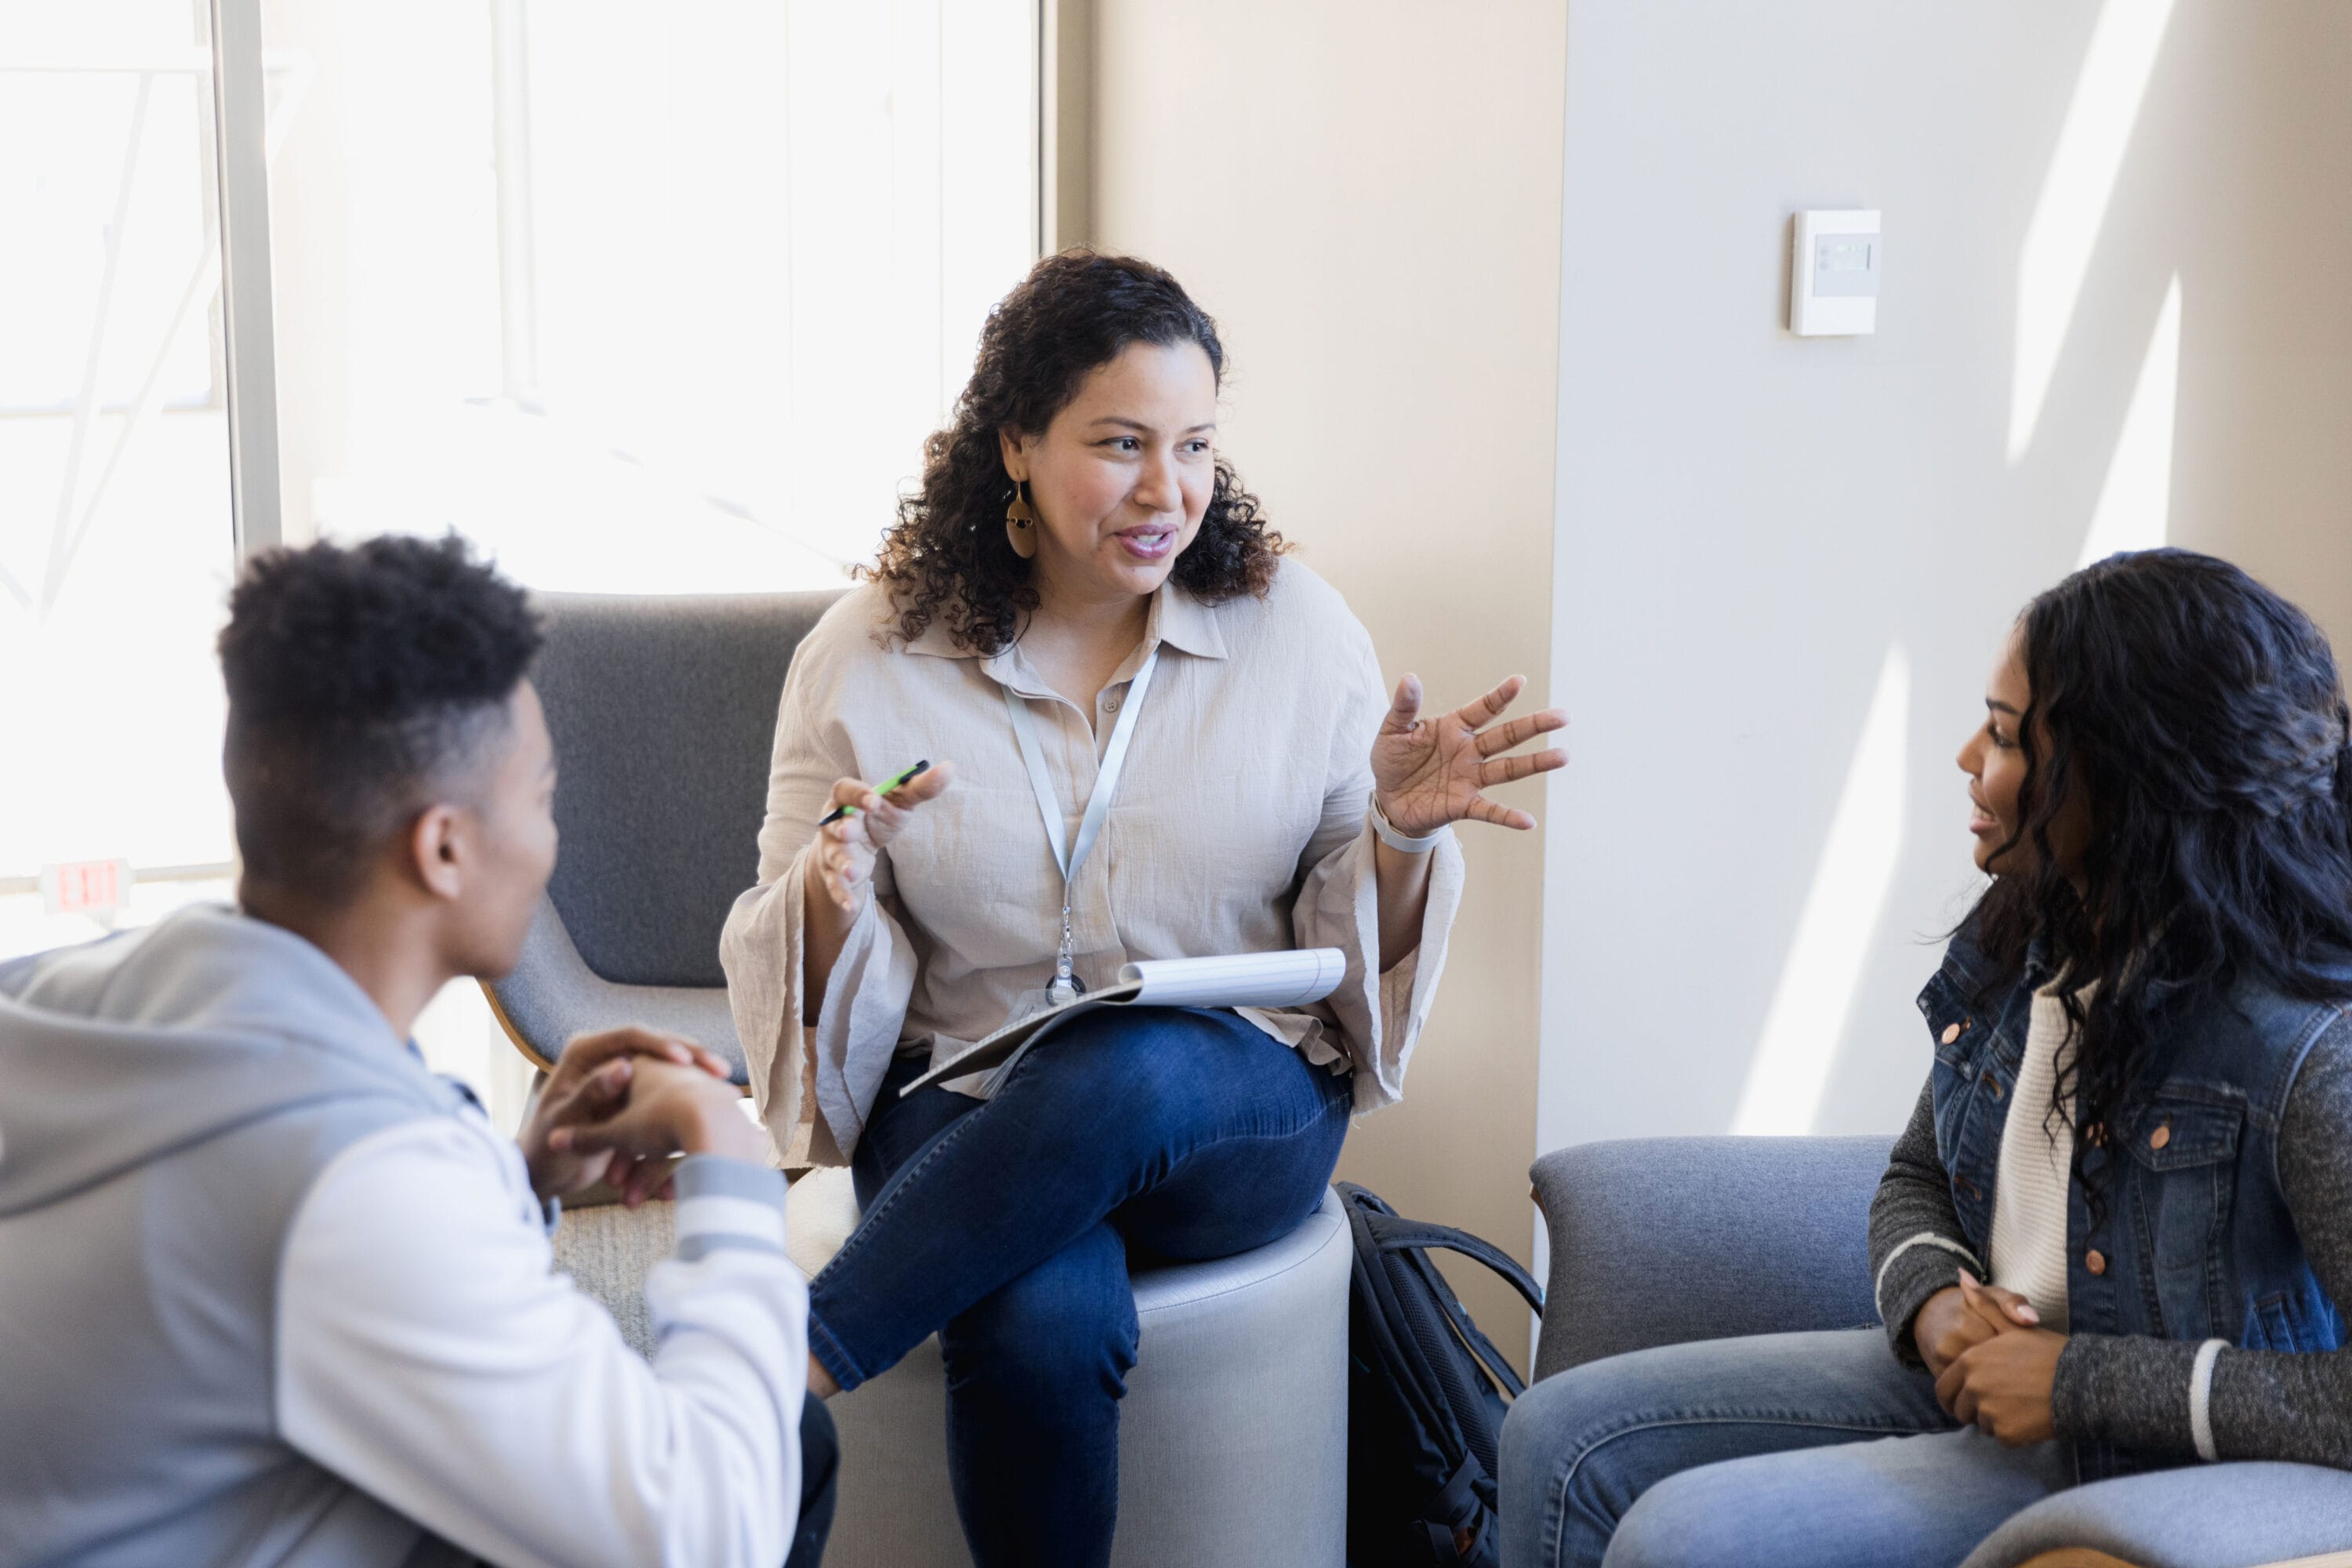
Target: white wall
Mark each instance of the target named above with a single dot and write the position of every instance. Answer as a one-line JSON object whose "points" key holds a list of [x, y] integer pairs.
{"points": [[1761, 539]]}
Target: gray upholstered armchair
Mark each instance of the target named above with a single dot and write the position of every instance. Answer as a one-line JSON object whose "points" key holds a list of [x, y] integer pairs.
{"points": [[1233, 1445], [663, 712], [1662, 1241]]}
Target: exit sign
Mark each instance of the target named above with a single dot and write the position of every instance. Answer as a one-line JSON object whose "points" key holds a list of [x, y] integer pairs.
{"points": [[85, 886]]}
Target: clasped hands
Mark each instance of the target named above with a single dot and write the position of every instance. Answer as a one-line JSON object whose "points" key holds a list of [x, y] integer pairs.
{"points": [[618, 1104], [1993, 1363]]}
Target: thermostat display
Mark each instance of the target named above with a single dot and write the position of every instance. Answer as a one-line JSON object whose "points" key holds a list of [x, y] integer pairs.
{"points": [[1833, 274]]}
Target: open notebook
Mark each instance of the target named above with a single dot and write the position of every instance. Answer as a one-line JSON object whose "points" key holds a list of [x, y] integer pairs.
{"points": [[1240, 980]]}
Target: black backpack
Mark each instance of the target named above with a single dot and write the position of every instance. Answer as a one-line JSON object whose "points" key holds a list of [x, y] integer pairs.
{"points": [[1424, 1396]]}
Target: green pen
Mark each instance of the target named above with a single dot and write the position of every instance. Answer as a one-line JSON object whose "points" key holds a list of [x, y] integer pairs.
{"points": [[885, 787]]}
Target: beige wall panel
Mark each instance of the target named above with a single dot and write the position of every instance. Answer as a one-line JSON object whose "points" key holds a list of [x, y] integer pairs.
{"points": [[1367, 196]]}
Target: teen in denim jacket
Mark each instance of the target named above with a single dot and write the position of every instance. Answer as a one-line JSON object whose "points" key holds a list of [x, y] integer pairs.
{"points": [[2114, 1234]]}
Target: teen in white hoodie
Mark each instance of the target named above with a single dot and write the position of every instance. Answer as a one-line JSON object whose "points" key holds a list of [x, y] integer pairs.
{"points": [[271, 1292]]}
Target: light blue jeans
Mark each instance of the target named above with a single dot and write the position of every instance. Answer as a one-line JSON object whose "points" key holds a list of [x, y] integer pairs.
{"points": [[1819, 1449]]}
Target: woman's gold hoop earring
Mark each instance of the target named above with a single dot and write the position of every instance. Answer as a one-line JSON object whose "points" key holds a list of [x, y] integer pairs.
{"points": [[1021, 523]]}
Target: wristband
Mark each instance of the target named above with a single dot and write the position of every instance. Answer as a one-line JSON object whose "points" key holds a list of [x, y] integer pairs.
{"points": [[1398, 842]]}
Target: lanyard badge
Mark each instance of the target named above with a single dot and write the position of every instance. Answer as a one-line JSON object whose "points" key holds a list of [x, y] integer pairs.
{"points": [[1069, 857]]}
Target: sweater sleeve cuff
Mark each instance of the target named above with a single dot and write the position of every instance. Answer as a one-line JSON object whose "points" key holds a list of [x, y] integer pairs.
{"points": [[2201, 1399], [1915, 1270], [2133, 1391], [728, 1204]]}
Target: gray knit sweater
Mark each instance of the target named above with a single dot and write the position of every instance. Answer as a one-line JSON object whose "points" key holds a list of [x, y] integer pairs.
{"points": [[2135, 1391]]}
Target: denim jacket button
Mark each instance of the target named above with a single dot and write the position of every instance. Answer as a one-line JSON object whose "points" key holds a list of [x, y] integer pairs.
{"points": [[2095, 1261], [1993, 1084], [1951, 1033], [2160, 1137]]}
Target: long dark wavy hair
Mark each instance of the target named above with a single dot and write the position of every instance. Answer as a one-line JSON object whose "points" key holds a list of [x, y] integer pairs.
{"points": [[947, 558], [2200, 716]]}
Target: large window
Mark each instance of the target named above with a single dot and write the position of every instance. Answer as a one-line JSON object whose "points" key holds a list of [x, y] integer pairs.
{"points": [[641, 299], [115, 545]]}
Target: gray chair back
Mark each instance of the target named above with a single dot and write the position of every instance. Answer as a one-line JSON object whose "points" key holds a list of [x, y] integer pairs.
{"points": [[1661, 1240], [663, 710]]}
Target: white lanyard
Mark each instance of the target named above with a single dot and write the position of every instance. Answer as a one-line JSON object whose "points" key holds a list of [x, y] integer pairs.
{"points": [[1068, 857]]}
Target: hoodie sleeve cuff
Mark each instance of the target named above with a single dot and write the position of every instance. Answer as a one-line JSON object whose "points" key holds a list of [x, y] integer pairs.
{"points": [[729, 1204]]}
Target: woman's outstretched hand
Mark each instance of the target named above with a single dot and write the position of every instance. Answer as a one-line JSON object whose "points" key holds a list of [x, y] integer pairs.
{"points": [[845, 849], [1427, 773]]}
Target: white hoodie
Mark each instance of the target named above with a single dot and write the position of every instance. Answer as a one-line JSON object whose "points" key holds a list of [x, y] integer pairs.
{"points": [[272, 1293]]}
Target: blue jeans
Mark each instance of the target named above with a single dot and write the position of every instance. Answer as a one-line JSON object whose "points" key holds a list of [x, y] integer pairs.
{"points": [[1006, 1227], [1815, 1448], [820, 1471]]}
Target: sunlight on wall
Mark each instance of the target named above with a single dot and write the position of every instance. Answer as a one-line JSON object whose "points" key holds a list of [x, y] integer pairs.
{"points": [[1807, 1019], [2072, 206], [2135, 501]]}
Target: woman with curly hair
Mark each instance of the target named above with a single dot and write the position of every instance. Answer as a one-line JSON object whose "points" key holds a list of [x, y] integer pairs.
{"points": [[1168, 740], [2116, 1233]]}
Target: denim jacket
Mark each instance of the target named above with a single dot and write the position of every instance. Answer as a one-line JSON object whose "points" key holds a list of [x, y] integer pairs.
{"points": [[2195, 1241]]}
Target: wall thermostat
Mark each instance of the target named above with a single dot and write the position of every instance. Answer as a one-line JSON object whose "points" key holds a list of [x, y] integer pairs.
{"points": [[1833, 274]]}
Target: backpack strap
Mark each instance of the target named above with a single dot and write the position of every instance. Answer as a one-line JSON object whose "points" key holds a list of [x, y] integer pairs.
{"points": [[1391, 1233], [1455, 1507]]}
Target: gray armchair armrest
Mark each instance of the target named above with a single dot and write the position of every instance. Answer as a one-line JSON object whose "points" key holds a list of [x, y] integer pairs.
{"points": [[2207, 1516], [1661, 1240], [553, 994]]}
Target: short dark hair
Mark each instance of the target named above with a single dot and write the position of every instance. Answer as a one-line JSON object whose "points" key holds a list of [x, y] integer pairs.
{"points": [[357, 677]]}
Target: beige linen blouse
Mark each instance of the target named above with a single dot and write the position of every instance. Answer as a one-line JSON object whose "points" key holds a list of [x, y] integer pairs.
{"points": [[1240, 826]]}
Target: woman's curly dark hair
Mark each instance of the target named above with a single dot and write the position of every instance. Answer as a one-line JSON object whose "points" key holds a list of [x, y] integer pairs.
{"points": [[2203, 716], [947, 558]]}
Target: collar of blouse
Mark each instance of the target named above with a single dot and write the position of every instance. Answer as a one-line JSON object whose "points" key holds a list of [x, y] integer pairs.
{"points": [[1177, 619]]}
